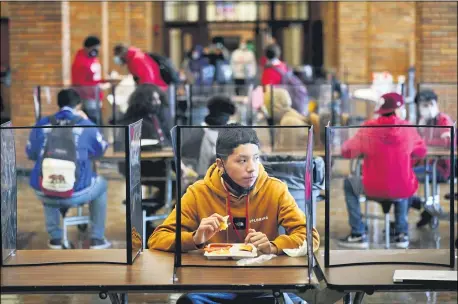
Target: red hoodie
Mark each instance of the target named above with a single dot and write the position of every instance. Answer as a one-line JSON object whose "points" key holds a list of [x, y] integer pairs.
{"points": [[271, 76], [388, 151], [436, 137], [141, 65], [86, 72]]}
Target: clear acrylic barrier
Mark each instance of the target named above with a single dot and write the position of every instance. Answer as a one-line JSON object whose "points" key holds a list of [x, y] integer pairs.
{"points": [[45, 100], [204, 198], [373, 169], [8, 193], [29, 213]]}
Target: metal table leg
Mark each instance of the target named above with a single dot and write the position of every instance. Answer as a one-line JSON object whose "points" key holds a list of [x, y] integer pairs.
{"points": [[116, 298], [347, 298], [168, 185], [359, 297]]}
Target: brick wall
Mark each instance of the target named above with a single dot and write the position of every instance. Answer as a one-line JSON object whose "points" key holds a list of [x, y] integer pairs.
{"points": [[85, 20], [391, 29], [353, 40], [328, 12], [438, 41], [377, 36], [35, 53]]}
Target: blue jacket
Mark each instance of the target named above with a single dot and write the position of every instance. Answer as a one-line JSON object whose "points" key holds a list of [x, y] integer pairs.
{"points": [[90, 145]]}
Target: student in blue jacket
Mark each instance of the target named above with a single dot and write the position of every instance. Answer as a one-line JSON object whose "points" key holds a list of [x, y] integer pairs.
{"points": [[85, 187]]}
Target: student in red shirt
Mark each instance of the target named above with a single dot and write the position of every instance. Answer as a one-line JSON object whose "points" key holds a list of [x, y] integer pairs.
{"points": [[270, 75], [140, 65], [86, 77], [430, 115], [387, 170]]}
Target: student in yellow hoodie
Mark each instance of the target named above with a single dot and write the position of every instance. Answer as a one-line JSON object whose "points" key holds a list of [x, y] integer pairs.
{"points": [[236, 185]]}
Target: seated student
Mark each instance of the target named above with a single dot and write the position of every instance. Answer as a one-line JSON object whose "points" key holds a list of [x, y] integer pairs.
{"points": [[236, 184], [199, 144], [149, 102], [285, 115], [387, 169], [430, 115], [54, 179]]}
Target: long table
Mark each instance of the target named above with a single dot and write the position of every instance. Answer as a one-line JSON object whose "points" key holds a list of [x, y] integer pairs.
{"points": [[153, 272]]}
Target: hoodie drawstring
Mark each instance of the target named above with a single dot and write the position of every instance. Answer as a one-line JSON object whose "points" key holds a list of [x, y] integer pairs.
{"points": [[247, 222]]}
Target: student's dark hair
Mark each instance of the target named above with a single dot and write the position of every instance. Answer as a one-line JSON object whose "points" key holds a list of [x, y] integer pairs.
{"points": [[119, 48], [230, 138], [272, 51], [91, 41], [388, 114], [68, 98], [141, 101], [425, 95]]}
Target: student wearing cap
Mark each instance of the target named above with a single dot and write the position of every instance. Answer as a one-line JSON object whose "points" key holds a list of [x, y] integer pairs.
{"points": [[430, 115], [200, 143], [387, 171], [86, 77]]}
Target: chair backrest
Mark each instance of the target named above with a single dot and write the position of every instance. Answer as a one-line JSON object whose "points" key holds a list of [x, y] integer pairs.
{"points": [[291, 170]]}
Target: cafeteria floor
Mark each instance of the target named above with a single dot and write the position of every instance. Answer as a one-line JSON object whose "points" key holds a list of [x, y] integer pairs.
{"points": [[32, 235]]}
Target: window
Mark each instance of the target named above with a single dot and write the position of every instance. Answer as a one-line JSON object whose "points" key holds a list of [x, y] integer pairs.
{"points": [[291, 10], [181, 11], [232, 10]]}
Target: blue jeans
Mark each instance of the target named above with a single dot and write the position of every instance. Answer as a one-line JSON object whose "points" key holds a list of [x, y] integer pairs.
{"points": [[352, 192], [95, 195], [421, 171], [233, 298]]}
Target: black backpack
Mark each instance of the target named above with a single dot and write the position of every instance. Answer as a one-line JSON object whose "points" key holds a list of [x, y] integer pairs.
{"points": [[59, 167], [168, 71]]}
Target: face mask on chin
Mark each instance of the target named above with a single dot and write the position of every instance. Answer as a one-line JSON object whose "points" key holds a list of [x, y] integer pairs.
{"points": [[235, 188], [401, 113]]}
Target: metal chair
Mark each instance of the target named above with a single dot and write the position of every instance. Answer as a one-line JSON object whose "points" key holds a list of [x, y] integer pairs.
{"points": [[80, 220]]}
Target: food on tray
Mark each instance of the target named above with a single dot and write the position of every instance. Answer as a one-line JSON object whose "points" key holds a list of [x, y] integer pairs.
{"points": [[223, 225], [244, 247], [221, 251], [217, 247]]}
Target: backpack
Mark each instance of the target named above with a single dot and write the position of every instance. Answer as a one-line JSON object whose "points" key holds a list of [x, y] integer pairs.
{"points": [[168, 71], [296, 89], [59, 169]]}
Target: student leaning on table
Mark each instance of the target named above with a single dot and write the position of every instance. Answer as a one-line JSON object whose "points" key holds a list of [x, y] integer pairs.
{"points": [[236, 185]]}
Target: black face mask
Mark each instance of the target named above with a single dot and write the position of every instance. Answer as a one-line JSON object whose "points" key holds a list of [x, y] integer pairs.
{"points": [[239, 190], [93, 53]]}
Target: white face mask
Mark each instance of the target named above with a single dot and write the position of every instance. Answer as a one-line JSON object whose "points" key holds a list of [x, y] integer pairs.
{"points": [[195, 56], [117, 60], [425, 112], [401, 113]]}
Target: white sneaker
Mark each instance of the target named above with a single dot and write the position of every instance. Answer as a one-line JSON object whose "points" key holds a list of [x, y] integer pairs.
{"points": [[99, 244]]}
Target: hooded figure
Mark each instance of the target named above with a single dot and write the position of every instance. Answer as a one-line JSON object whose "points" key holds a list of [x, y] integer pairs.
{"points": [[200, 143]]}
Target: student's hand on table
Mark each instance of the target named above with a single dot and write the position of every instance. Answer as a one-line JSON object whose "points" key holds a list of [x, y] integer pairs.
{"points": [[261, 242], [208, 227]]}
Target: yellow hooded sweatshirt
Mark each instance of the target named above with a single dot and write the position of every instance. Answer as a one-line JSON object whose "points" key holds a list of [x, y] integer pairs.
{"points": [[270, 205]]}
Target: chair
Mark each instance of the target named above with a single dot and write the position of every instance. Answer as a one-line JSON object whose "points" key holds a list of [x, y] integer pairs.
{"points": [[386, 206], [291, 170], [79, 220]]}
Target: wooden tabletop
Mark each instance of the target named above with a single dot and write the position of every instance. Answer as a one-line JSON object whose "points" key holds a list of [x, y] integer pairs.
{"points": [[166, 152], [380, 277], [151, 271]]}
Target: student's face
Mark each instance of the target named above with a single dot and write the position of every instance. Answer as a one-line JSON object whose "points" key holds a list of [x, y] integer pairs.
{"points": [[242, 165]]}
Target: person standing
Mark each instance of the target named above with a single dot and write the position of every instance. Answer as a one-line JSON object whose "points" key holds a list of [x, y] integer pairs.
{"points": [[140, 65], [86, 77], [243, 64]]}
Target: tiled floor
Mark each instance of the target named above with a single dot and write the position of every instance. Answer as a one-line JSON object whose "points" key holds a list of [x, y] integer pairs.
{"points": [[32, 235]]}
